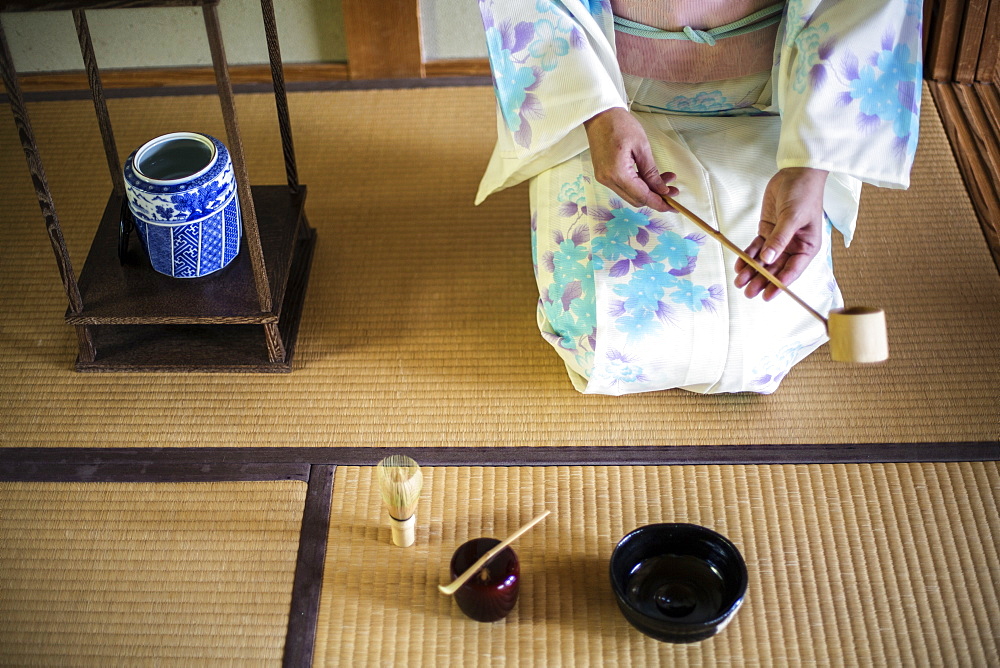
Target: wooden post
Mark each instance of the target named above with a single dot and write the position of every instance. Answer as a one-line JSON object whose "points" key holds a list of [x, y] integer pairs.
{"points": [[236, 151], [38, 175], [275, 346], [383, 39], [280, 97], [100, 106], [88, 353]]}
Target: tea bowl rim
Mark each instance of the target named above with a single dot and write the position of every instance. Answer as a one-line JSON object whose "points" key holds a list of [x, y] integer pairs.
{"points": [[645, 623]]}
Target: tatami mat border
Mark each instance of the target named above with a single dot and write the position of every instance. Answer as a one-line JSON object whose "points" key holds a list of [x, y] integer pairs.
{"points": [[101, 466], [309, 564], [94, 467], [188, 464], [317, 466]]}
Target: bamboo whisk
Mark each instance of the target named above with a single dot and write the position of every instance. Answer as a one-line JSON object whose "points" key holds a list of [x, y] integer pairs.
{"points": [[400, 481]]}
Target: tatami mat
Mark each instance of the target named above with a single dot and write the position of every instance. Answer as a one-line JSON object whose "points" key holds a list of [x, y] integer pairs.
{"points": [[418, 326], [870, 565], [146, 574]]}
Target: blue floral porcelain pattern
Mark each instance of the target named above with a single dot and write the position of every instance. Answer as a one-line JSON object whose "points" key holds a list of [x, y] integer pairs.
{"points": [[191, 228]]}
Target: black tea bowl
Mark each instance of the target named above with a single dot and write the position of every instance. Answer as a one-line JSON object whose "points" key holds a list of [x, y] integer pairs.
{"points": [[678, 582]]}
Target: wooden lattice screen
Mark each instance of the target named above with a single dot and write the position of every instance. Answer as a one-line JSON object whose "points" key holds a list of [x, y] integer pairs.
{"points": [[961, 62]]}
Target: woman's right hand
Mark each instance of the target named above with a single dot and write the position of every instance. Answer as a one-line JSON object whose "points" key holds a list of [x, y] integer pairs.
{"points": [[624, 162], [790, 233]]}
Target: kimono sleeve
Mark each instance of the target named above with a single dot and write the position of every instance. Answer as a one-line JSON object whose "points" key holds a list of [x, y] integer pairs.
{"points": [[554, 67], [848, 86]]}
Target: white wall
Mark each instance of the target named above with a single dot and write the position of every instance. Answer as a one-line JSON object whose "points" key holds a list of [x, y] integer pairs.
{"points": [[310, 31], [452, 29]]}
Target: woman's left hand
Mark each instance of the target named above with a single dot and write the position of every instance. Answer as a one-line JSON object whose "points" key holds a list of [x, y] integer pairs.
{"points": [[790, 232]]}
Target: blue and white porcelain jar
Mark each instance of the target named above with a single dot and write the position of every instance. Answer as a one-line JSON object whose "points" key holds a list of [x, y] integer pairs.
{"points": [[182, 193]]}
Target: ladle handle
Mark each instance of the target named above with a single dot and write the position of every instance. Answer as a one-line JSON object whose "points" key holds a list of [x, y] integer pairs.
{"points": [[743, 255], [453, 586]]}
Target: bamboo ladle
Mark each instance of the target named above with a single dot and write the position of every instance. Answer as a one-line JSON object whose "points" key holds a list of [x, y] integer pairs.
{"points": [[454, 585], [857, 334]]}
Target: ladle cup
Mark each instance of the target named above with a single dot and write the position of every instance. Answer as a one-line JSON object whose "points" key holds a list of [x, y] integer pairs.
{"points": [[857, 334]]}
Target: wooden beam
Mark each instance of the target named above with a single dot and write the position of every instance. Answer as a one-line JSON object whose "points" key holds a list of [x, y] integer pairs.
{"points": [[989, 55], [458, 67], [962, 41], [54, 5], [943, 39], [383, 39], [165, 77], [970, 43], [969, 114], [162, 77]]}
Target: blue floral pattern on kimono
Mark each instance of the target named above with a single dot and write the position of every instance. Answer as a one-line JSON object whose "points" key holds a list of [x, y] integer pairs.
{"points": [[615, 281], [637, 244]]}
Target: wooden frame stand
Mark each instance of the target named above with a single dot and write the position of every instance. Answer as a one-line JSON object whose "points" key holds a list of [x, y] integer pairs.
{"points": [[128, 317]]}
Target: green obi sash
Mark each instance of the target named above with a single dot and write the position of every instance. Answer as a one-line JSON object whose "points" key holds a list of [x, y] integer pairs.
{"points": [[758, 20]]}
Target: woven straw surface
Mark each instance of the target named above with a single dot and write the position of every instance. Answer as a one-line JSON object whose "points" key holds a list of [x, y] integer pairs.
{"points": [[153, 574], [419, 325], [872, 565]]}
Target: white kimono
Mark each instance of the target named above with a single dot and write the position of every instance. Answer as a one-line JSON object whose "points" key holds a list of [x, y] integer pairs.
{"points": [[635, 300]]}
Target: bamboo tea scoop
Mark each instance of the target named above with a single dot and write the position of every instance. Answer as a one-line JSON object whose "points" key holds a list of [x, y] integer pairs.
{"points": [[454, 585], [857, 334]]}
